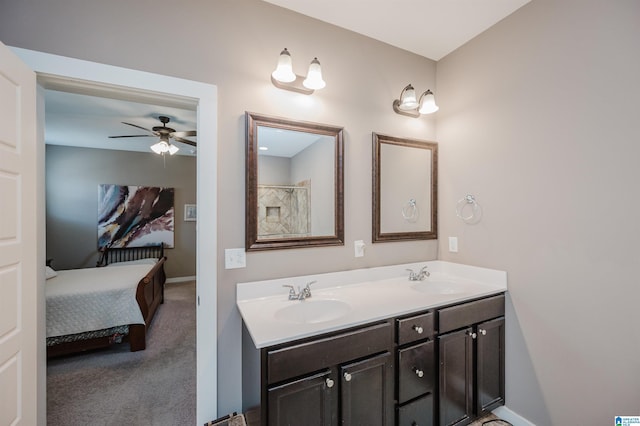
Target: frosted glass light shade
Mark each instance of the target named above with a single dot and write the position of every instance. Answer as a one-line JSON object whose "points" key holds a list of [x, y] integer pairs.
{"points": [[173, 149], [428, 103], [408, 99], [284, 71], [314, 79], [160, 147]]}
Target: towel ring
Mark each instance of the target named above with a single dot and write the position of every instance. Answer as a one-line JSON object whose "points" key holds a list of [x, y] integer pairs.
{"points": [[410, 211], [468, 209]]}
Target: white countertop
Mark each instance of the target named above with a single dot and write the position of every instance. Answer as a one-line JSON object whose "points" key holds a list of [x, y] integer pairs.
{"points": [[366, 294]]}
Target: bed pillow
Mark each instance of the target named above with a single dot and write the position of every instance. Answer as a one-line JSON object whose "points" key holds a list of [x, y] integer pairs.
{"points": [[148, 261], [49, 272]]}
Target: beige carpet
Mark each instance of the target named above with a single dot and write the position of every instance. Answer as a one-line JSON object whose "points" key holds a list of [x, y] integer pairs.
{"points": [[156, 386]]}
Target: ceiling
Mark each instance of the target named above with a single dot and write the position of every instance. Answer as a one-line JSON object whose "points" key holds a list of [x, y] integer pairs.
{"points": [[429, 28], [73, 119]]}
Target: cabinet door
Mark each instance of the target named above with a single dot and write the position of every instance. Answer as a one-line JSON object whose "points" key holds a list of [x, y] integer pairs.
{"points": [[456, 377], [307, 401], [367, 392], [490, 365]]}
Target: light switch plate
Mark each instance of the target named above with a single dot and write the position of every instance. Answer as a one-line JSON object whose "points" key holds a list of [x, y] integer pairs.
{"points": [[453, 244], [358, 248], [235, 258]]}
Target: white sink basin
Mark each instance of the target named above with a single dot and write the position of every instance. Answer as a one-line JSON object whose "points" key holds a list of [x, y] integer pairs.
{"points": [[313, 311], [439, 287]]}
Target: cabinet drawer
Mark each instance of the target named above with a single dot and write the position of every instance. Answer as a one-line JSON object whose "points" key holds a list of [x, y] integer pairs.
{"points": [[416, 371], [303, 358], [415, 328], [470, 313], [417, 413]]}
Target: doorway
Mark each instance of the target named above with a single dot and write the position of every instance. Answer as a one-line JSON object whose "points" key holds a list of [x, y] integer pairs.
{"points": [[67, 74]]}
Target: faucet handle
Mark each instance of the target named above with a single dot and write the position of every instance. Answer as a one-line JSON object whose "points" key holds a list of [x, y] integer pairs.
{"points": [[292, 291], [307, 289]]}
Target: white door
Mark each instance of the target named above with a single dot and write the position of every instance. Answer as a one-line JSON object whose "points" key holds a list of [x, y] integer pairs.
{"points": [[19, 271]]}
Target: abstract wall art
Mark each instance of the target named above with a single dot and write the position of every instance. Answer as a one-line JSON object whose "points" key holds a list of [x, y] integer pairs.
{"points": [[135, 216]]}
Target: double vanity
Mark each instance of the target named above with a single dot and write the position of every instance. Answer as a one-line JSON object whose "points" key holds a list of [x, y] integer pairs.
{"points": [[379, 346]]}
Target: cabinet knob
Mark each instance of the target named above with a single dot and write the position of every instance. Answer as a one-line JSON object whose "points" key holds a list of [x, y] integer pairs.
{"points": [[472, 334], [482, 331], [418, 372], [418, 329], [347, 377], [329, 383]]}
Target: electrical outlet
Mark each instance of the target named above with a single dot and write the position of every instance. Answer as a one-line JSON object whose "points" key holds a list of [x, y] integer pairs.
{"points": [[235, 258], [358, 248], [453, 244]]}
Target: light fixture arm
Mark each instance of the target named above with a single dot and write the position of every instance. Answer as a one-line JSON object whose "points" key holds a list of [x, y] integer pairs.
{"points": [[294, 86]]}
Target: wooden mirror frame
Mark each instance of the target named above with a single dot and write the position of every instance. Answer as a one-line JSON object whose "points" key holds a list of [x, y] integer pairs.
{"points": [[252, 242], [430, 234]]}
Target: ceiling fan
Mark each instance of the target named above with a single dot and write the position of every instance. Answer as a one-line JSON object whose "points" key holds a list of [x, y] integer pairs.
{"points": [[165, 133]]}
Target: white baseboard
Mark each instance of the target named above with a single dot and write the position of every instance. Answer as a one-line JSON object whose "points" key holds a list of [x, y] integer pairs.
{"points": [[180, 279], [512, 417]]}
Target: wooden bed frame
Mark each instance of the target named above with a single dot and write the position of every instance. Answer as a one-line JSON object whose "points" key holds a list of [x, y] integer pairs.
{"points": [[149, 295]]}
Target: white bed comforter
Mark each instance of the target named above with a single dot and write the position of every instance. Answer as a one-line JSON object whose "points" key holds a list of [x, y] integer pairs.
{"points": [[81, 300]]}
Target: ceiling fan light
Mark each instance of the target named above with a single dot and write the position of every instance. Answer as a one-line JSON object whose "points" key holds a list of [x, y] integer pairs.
{"points": [[314, 79], [284, 70], [408, 100], [173, 149], [160, 147]]}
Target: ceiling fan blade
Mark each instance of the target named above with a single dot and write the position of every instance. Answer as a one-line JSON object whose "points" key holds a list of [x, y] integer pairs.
{"points": [[185, 141], [184, 134], [131, 136], [140, 127]]}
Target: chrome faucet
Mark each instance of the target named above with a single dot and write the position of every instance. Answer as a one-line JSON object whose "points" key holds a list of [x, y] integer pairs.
{"points": [[418, 276], [303, 294]]}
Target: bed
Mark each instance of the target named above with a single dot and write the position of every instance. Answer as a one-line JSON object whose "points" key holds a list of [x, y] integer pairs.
{"points": [[114, 302]]}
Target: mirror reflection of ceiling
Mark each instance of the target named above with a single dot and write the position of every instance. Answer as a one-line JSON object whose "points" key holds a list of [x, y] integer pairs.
{"points": [[429, 28], [87, 121], [285, 143]]}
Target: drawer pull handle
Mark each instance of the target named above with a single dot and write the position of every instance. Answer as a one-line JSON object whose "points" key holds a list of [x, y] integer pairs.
{"points": [[482, 331], [418, 372], [329, 383], [347, 377], [418, 329]]}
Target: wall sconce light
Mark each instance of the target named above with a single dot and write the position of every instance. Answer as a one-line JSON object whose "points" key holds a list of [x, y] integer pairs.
{"points": [[411, 106], [284, 78]]}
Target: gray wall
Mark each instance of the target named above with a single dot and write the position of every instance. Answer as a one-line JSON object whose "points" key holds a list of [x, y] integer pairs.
{"points": [[234, 44], [72, 179], [539, 120]]}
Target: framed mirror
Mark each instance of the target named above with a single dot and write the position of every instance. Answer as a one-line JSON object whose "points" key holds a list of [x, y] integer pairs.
{"points": [[294, 184], [405, 189]]}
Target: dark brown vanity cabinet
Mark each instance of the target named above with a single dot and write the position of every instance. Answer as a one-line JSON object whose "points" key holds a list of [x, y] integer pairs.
{"points": [[471, 360], [444, 366], [339, 379]]}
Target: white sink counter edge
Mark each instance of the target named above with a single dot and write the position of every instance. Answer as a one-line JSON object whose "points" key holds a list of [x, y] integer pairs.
{"points": [[372, 293]]}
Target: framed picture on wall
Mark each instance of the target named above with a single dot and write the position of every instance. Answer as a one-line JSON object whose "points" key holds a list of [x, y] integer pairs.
{"points": [[190, 213]]}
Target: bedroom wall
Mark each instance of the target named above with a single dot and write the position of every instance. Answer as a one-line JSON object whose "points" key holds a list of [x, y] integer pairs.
{"points": [[539, 120], [72, 179], [234, 44]]}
